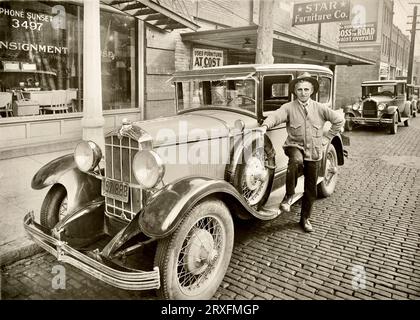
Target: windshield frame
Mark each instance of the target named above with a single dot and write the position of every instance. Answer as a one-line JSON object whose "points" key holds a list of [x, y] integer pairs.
{"points": [[249, 76], [366, 88]]}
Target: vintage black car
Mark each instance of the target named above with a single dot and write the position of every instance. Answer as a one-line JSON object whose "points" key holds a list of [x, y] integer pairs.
{"points": [[154, 209], [384, 102]]}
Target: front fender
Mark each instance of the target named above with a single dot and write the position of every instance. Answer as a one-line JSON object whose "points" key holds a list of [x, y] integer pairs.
{"points": [[81, 187], [166, 208], [391, 109]]}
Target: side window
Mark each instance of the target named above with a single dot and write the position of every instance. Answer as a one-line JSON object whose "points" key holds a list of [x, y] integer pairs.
{"points": [[400, 89], [275, 91], [324, 89], [409, 92]]}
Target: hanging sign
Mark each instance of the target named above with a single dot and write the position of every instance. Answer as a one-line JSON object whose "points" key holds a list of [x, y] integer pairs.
{"points": [[206, 58], [359, 33], [320, 12]]}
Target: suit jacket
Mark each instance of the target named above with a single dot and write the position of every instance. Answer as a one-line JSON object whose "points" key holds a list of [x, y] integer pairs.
{"points": [[306, 131]]}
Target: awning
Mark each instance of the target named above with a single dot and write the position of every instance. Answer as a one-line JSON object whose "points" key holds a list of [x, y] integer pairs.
{"points": [[284, 45], [160, 15], [191, 75]]}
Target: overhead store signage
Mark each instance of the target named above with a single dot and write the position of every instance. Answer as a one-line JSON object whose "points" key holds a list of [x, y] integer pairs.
{"points": [[359, 33], [206, 58], [321, 12]]}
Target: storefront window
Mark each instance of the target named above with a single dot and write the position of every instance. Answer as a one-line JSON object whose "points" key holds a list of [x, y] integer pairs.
{"points": [[41, 59], [118, 61]]}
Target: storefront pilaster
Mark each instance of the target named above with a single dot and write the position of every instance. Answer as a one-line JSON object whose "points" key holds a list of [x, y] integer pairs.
{"points": [[93, 120]]}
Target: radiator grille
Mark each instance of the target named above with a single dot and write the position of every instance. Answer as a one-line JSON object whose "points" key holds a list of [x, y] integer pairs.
{"points": [[119, 155], [370, 110]]}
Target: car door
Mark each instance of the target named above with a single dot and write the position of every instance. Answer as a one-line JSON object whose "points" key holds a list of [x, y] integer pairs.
{"points": [[275, 93]]}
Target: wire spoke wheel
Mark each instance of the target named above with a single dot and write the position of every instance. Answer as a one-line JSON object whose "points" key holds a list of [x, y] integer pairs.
{"points": [[327, 186], [62, 211], [254, 177], [194, 259]]}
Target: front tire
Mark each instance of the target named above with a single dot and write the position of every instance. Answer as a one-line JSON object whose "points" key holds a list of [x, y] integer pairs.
{"points": [[193, 260], [54, 206], [327, 186], [394, 126]]}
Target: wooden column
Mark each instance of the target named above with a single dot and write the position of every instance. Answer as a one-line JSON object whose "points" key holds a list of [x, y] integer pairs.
{"points": [[264, 53], [93, 120]]}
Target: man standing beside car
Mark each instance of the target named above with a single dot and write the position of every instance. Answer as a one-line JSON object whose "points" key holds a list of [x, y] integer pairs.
{"points": [[305, 119]]}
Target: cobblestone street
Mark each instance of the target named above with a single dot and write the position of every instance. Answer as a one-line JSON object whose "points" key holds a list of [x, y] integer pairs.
{"points": [[365, 244]]}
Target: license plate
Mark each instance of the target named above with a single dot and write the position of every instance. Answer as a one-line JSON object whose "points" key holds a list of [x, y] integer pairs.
{"points": [[115, 189]]}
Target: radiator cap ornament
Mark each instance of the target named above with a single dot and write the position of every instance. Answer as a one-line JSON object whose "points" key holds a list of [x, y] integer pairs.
{"points": [[126, 126]]}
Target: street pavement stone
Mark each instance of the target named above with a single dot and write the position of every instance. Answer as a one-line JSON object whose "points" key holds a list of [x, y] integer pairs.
{"points": [[371, 224]]}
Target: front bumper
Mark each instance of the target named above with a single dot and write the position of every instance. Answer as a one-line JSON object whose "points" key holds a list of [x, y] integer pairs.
{"points": [[361, 120], [135, 280]]}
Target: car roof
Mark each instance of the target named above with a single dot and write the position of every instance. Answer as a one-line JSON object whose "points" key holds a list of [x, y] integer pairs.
{"points": [[240, 68], [382, 82]]}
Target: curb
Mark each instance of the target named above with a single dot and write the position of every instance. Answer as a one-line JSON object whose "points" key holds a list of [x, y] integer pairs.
{"points": [[19, 249]]}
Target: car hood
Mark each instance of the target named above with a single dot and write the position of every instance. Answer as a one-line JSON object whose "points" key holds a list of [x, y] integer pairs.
{"points": [[187, 127], [379, 99]]}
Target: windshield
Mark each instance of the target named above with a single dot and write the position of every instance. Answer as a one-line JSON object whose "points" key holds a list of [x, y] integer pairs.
{"points": [[384, 90], [236, 94]]}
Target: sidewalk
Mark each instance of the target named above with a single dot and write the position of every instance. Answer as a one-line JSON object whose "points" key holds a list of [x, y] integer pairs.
{"points": [[16, 199]]}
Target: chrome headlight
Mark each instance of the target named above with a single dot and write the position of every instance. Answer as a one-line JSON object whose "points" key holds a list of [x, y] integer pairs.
{"points": [[148, 168], [356, 106], [381, 106], [87, 155]]}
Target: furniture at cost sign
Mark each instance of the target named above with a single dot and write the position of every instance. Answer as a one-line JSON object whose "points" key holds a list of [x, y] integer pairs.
{"points": [[206, 58]]}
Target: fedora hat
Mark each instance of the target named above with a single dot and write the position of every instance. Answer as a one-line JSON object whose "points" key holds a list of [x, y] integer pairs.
{"points": [[304, 76]]}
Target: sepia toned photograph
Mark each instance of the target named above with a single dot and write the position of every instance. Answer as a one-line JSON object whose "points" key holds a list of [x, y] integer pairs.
{"points": [[235, 152]]}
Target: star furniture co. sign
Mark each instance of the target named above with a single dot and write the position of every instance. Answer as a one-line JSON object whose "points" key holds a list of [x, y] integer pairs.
{"points": [[321, 11]]}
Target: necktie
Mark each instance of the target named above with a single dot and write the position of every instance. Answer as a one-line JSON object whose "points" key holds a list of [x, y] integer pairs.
{"points": [[304, 108]]}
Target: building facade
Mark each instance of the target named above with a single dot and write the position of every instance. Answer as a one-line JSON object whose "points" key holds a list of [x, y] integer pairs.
{"points": [[41, 72], [142, 44], [374, 37]]}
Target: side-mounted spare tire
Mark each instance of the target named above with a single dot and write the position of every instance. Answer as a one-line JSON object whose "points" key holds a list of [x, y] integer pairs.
{"points": [[327, 186], [253, 176]]}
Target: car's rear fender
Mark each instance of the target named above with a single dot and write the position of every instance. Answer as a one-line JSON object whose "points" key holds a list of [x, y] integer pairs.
{"points": [[81, 188], [166, 208]]}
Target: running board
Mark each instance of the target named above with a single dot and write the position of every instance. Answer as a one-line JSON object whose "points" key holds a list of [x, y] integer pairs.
{"points": [[276, 197]]}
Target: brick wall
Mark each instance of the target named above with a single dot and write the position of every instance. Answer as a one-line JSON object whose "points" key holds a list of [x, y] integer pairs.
{"points": [[349, 81]]}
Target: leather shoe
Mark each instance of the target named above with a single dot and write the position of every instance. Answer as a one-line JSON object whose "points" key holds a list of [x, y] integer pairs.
{"points": [[286, 204], [306, 225]]}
